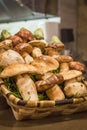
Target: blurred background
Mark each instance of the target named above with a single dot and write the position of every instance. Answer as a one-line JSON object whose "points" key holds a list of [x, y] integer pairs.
{"points": [[72, 27]]}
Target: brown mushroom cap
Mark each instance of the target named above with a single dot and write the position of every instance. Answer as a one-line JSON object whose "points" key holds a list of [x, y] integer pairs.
{"points": [[25, 35], [38, 43], [43, 85], [23, 47], [45, 64], [15, 40], [77, 65], [56, 46], [63, 58]]}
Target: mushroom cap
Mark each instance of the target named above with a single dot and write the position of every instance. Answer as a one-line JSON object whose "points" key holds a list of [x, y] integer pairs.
{"points": [[63, 58], [77, 89], [15, 40], [71, 74], [77, 65], [45, 64], [10, 57], [17, 69], [23, 47], [6, 44], [43, 85], [56, 46], [25, 34], [38, 43]]}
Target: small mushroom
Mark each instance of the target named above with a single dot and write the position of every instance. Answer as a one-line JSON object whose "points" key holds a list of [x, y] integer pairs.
{"points": [[45, 64], [38, 34], [25, 34], [36, 52], [38, 43], [26, 87], [54, 49], [23, 47], [27, 58], [63, 58], [16, 40], [77, 65], [55, 39], [10, 57], [64, 67]]}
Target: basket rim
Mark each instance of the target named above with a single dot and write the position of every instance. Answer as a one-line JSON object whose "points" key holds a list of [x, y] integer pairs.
{"points": [[43, 103]]}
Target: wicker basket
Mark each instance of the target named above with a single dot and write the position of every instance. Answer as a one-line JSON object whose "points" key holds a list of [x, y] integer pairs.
{"points": [[34, 110]]}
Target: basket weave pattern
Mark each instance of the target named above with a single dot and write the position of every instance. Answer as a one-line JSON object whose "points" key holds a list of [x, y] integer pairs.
{"points": [[38, 109]]}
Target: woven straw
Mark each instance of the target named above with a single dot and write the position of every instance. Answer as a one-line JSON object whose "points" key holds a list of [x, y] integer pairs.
{"points": [[37, 109]]}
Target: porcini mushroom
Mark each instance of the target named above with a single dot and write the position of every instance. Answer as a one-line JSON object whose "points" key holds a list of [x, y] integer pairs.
{"points": [[76, 89], [25, 34], [26, 87], [10, 57], [51, 87], [63, 58], [38, 43], [23, 47], [67, 75], [5, 45], [54, 49], [36, 52], [43, 85], [15, 40], [17, 69], [27, 58], [45, 64], [55, 93]]}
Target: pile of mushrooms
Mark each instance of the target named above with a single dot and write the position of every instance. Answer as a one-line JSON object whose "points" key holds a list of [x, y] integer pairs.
{"points": [[57, 75]]}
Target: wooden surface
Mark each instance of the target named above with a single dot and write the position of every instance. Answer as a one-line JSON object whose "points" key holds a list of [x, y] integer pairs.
{"points": [[70, 122]]}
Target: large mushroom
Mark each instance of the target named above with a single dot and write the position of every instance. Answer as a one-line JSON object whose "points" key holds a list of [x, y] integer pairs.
{"points": [[17, 69], [40, 65], [45, 64], [76, 89], [73, 83], [51, 87], [10, 57]]}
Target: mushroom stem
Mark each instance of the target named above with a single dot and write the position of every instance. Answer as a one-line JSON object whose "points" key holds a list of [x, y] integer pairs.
{"points": [[28, 59], [36, 52], [55, 93], [27, 87]]}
